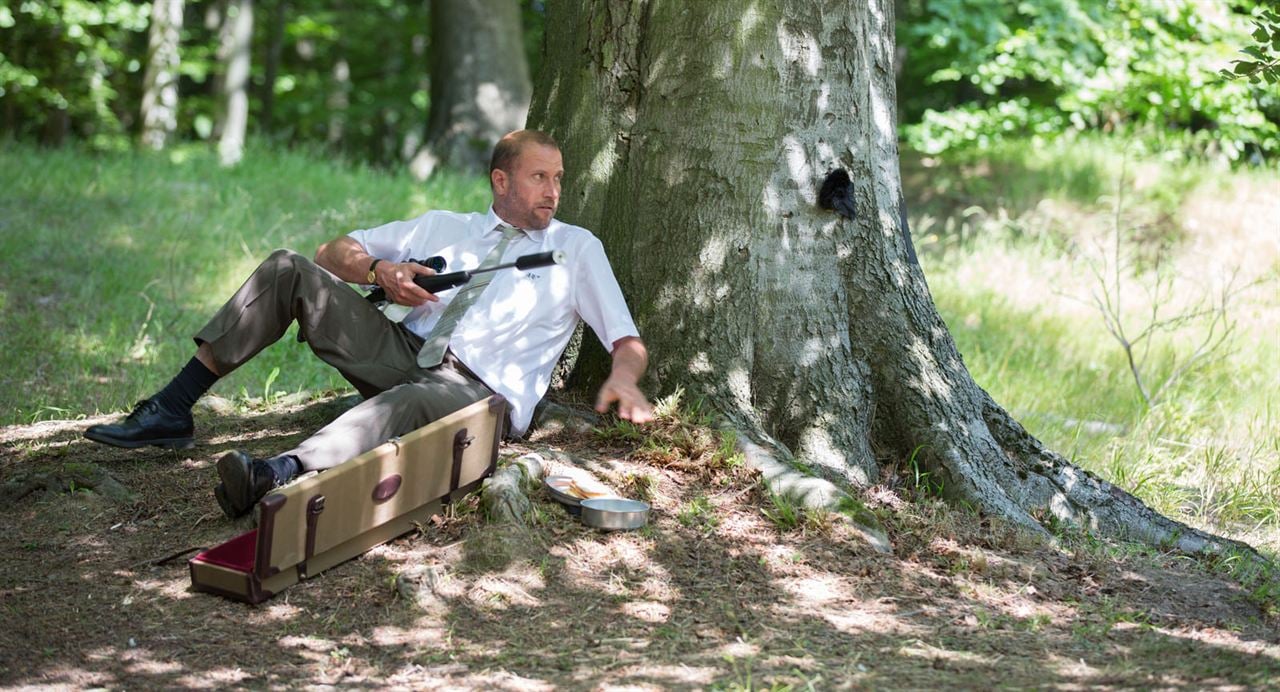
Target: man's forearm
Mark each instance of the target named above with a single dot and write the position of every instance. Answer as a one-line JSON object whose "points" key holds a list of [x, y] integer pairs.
{"points": [[630, 358], [345, 258]]}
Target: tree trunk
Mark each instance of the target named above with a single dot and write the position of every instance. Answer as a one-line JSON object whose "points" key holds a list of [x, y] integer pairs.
{"points": [[275, 44], [235, 39], [479, 83], [160, 85], [339, 99], [695, 137]]}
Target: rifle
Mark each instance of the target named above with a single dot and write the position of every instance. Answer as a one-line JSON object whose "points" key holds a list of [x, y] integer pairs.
{"points": [[436, 283]]}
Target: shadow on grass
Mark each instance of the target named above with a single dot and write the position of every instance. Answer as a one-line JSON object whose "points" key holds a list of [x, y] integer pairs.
{"points": [[727, 601]]}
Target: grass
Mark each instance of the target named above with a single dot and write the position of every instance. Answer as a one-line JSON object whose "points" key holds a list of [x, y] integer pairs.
{"points": [[111, 262], [1007, 250]]}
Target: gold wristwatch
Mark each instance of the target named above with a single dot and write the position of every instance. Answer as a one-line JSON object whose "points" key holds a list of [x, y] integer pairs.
{"points": [[372, 278]]}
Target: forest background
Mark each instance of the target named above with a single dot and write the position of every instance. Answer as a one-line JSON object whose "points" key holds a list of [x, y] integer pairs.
{"points": [[1092, 185], [1093, 188], [1074, 169]]}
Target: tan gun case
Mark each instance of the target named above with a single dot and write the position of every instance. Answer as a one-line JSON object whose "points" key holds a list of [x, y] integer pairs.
{"points": [[321, 521]]}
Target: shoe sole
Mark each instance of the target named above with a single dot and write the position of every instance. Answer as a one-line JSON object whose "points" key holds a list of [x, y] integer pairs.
{"points": [[164, 442], [233, 473], [220, 494]]}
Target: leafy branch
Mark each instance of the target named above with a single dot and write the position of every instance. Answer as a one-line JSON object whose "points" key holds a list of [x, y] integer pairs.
{"points": [[1264, 55]]}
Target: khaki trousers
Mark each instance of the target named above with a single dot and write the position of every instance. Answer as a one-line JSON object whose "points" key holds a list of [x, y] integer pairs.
{"points": [[377, 356]]}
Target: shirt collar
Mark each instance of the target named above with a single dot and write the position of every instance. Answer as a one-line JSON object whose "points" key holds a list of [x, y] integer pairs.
{"points": [[492, 221]]}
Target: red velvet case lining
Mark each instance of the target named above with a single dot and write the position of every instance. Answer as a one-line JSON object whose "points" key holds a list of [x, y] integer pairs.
{"points": [[236, 554]]}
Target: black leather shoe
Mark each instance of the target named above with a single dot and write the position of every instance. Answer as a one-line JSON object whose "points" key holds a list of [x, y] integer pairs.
{"points": [[244, 481], [148, 424]]}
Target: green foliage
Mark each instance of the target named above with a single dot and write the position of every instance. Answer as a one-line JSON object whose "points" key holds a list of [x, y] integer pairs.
{"points": [[981, 71], [681, 437], [71, 67], [789, 515], [74, 69], [383, 44], [1263, 64], [785, 514]]}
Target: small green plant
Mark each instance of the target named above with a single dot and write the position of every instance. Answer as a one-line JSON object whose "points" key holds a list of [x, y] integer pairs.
{"points": [[1262, 581], [923, 482], [266, 387], [1001, 621], [698, 513], [620, 432], [639, 485], [784, 513]]}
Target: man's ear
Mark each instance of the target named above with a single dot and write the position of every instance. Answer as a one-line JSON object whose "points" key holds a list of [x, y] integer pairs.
{"points": [[498, 179]]}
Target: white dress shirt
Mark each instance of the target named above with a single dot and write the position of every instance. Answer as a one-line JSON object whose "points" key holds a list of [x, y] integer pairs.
{"points": [[512, 337]]}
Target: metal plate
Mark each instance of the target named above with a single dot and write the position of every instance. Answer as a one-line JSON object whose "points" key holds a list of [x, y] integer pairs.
{"points": [[556, 487]]}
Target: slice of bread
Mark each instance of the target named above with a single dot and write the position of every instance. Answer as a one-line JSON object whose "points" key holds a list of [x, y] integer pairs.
{"points": [[585, 491]]}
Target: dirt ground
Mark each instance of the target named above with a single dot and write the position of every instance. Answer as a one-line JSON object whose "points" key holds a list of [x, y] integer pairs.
{"points": [[95, 591]]}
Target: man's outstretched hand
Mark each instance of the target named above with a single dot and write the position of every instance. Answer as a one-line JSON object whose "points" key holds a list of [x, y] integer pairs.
{"points": [[632, 404], [630, 358]]}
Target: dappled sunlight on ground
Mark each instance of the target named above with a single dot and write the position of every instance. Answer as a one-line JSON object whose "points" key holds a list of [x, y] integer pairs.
{"points": [[712, 592]]}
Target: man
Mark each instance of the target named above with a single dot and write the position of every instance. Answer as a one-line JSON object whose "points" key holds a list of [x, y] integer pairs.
{"points": [[503, 333]]}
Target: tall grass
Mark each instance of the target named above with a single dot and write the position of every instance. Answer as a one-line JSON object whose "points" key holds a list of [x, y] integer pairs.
{"points": [[109, 263]]}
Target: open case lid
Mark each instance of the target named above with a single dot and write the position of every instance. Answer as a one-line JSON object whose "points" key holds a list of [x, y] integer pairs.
{"points": [[309, 517]]}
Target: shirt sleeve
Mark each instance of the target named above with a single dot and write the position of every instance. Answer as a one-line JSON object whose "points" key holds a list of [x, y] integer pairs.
{"points": [[391, 242], [598, 298]]}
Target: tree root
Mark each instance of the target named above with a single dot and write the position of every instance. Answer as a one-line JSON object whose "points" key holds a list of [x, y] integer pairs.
{"points": [[807, 491], [1076, 497], [505, 495], [69, 478]]}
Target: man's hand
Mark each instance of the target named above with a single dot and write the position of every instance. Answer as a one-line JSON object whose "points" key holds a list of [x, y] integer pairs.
{"points": [[397, 280], [629, 361], [632, 404], [348, 261]]}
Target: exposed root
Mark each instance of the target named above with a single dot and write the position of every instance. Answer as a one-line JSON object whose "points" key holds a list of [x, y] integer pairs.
{"points": [[1074, 496], [808, 491], [68, 478], [505, 495]]}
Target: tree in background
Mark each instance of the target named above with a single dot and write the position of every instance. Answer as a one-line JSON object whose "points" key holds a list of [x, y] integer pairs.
{"points": [[235, 39], [71, 69], [480, 86], [698, 141], [160, 85], [271, 62]]}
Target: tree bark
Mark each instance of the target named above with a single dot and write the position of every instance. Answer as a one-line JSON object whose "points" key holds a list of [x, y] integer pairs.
{"points": [[480, 85], [275, 44], [695, 138], [160, 84], [235, 39]]}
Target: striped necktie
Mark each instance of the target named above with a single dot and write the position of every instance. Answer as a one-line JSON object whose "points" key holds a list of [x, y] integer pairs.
{"points": [[432, 352]]}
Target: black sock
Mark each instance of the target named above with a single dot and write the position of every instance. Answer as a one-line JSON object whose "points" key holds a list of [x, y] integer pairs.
{"points": [[190, 384], [285, 467]]}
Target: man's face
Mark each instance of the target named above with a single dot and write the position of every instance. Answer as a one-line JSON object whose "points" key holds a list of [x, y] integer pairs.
{"points": [[528, 194]]}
